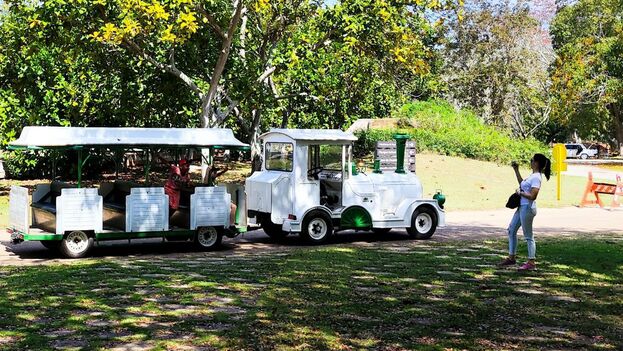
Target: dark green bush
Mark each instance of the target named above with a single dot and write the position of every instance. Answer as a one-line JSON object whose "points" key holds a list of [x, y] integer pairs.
{"points": [[443, 130], [48, 164]]}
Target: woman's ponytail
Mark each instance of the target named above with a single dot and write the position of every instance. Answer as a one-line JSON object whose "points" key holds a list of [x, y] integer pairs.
{"points": [[545, 165], [547, 170]]}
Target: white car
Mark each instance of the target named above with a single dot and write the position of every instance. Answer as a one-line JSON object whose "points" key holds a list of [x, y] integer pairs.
{"points": [[577, 150], [308, 184]]}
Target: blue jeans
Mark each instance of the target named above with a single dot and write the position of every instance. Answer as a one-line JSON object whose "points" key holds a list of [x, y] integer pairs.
{"points": [[523, 218]]}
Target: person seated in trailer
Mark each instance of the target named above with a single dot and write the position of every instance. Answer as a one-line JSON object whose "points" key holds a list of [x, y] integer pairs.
{"points": [[178, 179], [212, 173]]}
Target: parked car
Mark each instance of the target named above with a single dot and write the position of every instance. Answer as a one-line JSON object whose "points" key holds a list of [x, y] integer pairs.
{"points": [[577, 150]]}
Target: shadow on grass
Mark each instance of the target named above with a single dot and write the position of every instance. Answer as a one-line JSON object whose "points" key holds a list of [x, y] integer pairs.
{"points": [[428, 296]]}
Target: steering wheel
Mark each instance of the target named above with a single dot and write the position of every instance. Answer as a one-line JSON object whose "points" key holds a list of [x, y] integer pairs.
{"points": [[313, 172]]}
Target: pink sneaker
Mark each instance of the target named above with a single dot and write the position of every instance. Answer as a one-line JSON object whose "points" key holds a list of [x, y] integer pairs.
{"points": [[528, 266]]}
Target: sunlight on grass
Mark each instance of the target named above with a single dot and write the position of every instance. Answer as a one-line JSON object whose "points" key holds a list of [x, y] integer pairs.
{"points": [[582, 272], [342, 249], [478, 185], [4, 211], [324, 298]]}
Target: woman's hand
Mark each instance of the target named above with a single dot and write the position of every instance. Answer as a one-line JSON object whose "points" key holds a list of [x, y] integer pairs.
{"points": [[515, 165]]}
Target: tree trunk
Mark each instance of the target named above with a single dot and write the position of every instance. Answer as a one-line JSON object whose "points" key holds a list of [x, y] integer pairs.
{"points": [[285, 114], [206, 113], [208, 117], [254, 140]]}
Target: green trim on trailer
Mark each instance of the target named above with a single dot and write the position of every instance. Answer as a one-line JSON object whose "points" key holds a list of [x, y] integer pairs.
{"points": [[111, 235], [43, 237]]}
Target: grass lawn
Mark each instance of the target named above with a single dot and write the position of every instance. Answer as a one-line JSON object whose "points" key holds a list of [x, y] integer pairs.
{"points": [[4, 211], [424, 295], [478, 185]]}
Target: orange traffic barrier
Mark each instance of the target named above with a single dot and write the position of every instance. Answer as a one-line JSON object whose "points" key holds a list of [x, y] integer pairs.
{"points": [[595, 189]]}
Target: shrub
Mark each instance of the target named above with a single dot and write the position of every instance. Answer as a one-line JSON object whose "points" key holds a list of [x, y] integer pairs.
{"points": [[48, 164], [443, 130]]}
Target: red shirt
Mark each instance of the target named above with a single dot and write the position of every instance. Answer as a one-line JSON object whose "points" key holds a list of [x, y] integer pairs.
{"points": [[173, 186]]}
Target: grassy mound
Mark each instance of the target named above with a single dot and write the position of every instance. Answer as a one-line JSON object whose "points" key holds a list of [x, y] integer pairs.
{"points": [[438, 127]]}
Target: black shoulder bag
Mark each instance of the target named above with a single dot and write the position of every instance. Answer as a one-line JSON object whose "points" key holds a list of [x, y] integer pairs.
{"points": [[513, 201]]}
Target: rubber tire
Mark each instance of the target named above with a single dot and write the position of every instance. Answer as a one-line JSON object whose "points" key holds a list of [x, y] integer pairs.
{"points": [[217, 243], [413, 231], [381, 231], [51, 244], [68, 253], [274, 231], [317, 214], [584, 156]]}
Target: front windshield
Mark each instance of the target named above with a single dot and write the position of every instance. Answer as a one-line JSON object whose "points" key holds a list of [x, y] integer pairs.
{"points": [[331, 157], [279, 156]]}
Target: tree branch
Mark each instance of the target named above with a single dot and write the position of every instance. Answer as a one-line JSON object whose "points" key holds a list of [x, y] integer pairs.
{"points": [[267, 73], [171, 69], [211, 21]]}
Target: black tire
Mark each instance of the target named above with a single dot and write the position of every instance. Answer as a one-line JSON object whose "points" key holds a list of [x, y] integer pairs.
{"points": [[76, 244], [274, 231], [423, 223], [584, 156], [317, 227], [208, 238], [51, 244], [381, 231]]}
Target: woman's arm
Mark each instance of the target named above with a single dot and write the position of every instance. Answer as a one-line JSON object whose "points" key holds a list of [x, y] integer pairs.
{"points": [[534, 192], [516, 169]]}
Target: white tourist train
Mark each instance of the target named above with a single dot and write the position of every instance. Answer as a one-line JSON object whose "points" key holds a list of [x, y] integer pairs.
{"points": [[308, 184]]}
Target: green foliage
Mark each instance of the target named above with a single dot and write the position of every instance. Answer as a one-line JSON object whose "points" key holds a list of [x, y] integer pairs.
{"points": [[442, 129], [51, 74], [588, 74], [54, 164], [495, 64], [355, 59], [21, 165]]}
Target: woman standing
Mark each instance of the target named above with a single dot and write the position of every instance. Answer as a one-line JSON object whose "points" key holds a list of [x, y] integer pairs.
{"points": [[524, 216]]}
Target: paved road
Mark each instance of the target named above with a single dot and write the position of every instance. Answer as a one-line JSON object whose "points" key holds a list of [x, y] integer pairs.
{"points": [[473, 225]]}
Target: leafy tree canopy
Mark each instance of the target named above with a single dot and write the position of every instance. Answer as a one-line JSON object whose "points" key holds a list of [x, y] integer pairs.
{"points": [[588, 74]]}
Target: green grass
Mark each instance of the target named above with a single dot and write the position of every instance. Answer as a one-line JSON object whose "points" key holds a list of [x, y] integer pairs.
{"points": [[478, 185], [420, 295], [4, 211]]}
